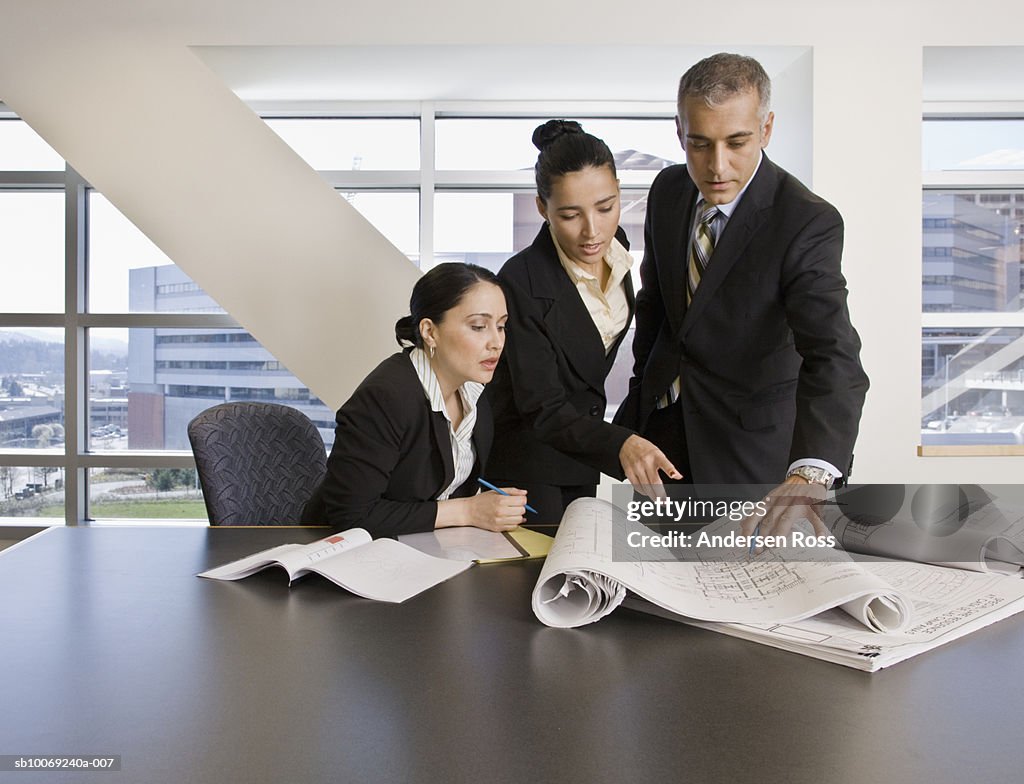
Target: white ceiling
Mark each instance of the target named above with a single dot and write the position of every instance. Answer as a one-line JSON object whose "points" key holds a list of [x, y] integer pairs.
{"points": [[277, 74], [465, 72], [557, 73]]}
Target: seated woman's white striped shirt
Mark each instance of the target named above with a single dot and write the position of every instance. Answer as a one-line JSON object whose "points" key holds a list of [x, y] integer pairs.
{"points": [[463, 450]]}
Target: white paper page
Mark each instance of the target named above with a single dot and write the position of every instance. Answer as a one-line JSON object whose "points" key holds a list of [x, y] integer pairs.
{"points": [[1005, 523], [948, 604], [1003, 556], [387, 570], [243, 567], [838, 644], [295, 558], [736, 587], [582, 595], [463, 543]]}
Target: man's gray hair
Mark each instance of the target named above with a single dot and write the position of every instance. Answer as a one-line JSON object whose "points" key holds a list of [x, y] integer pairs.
{"points": [[721, 76]]}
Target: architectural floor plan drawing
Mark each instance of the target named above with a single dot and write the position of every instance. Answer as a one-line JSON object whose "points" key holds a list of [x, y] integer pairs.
{"points": [[866, 613], [974, 527], [715, 584]]}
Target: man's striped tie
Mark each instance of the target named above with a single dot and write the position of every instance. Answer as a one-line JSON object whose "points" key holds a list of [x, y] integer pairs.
{"points": [[700, 254], [701, 248]]}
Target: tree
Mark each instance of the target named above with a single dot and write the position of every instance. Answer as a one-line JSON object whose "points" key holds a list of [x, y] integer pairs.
{"points": [[161, 479], [43, 434], [13, 387], [164, 479]]}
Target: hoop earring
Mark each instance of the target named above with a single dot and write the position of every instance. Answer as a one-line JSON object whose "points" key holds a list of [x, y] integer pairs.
{"points": [[432, 349]]}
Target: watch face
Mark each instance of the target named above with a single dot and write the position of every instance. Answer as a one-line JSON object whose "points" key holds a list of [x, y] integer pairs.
{"points": [[812, 474]]}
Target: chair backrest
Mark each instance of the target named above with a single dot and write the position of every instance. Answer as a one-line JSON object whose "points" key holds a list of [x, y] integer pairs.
{"points": [[258, 463]]}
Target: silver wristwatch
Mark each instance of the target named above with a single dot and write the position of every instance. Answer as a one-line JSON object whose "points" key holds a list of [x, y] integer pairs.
{"points": [[818, 476]]}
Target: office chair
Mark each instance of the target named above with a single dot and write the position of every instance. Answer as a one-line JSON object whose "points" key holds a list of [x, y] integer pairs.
{"points": [[258, 463]]}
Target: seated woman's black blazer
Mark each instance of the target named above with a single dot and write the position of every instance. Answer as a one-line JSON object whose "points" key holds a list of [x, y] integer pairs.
{"points": [[392, 456]]}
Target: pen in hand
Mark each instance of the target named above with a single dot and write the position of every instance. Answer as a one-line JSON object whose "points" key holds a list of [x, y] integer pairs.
{"points": [[489, 486], [753, 540]]}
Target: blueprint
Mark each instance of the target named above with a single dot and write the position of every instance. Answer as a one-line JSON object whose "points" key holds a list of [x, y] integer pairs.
{"points": [[582, 582], [967, 527], [947, 604]]}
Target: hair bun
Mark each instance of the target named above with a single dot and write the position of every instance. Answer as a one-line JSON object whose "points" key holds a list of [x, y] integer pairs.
{"points": [[553, 129], [406, 332]]}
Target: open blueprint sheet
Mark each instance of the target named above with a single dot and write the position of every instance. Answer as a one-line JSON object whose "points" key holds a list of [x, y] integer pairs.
{"points": [[967, 527], [581, 582], [865, 613], [380, 569], [947, 604]]}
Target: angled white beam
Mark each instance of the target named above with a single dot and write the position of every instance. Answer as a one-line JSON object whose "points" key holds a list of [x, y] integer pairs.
{"points": [[204, 178]]}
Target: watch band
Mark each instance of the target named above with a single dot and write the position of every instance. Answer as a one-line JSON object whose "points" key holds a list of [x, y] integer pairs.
{"points": [[818, 476]]}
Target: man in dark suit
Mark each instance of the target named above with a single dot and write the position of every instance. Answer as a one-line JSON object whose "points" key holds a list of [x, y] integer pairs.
{"points": [[746, 364]]}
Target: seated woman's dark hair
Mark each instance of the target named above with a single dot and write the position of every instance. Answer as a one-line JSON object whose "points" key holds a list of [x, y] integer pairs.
{"points": [[437, 292], [565, 147]]}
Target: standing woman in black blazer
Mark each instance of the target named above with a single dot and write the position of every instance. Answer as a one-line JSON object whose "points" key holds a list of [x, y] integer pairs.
{"points": [[570, 303], [413, 439]]}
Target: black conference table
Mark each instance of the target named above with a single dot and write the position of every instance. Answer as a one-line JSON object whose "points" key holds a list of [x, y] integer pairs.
{"points": [[109, 645]]}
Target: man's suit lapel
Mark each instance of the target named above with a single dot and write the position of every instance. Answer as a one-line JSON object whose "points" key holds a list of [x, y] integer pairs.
{"points": [[673, 275], [749, 216], [567, 320]]}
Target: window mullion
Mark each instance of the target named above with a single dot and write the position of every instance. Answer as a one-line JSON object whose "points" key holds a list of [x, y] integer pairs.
{"points": [[76, 385], [427, 184]]}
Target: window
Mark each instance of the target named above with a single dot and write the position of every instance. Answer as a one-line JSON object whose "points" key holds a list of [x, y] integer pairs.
{"points": [[972, 368], [31, 389], [487, 144], [22, 149], [476, 186], [32, 262], [149, 348], [973, 144], [352, 144], [395, 214]]}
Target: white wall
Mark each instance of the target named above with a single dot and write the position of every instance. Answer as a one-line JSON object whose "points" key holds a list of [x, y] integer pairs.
{"points": [[792, 144], [114, 88]]}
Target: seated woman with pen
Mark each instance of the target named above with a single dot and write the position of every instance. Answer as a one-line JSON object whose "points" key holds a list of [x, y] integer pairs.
{"points": [[411, 442], [570, 303]]}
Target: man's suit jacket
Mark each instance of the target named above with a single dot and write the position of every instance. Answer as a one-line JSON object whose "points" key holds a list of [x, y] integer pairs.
{"points": [[767, 357], [548, 390], [392, 456]]}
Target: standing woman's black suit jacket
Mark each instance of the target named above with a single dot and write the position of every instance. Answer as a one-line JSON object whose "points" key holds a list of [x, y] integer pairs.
{"points": [[548, 390], [392, 456]]}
